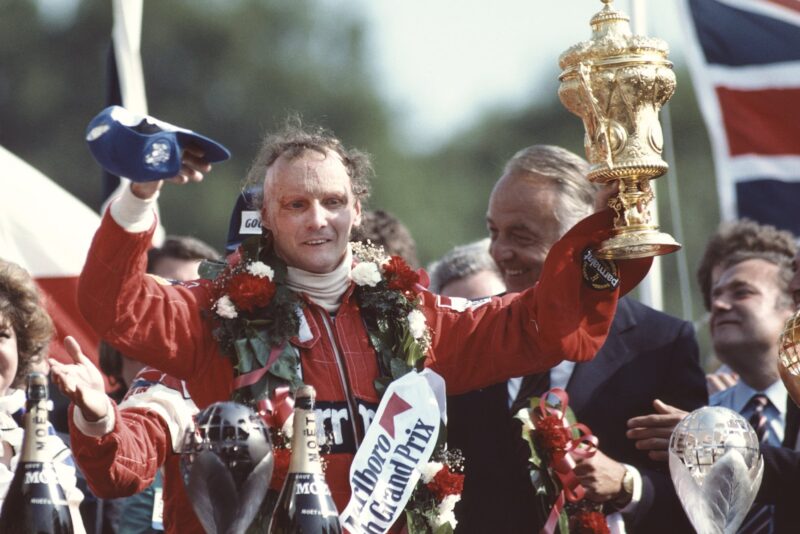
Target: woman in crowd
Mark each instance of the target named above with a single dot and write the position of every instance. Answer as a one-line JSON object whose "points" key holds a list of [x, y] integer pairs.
{"points": [[25, 334]]}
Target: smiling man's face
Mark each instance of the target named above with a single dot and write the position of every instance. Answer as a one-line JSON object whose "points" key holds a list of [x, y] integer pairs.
{"points": [[748, 311], [522, 225]]}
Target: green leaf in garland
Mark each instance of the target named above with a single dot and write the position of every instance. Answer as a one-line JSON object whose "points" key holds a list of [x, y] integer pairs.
{"points": [[381, 384], [245, 358], [377, 342], [443, 529], [563, 522], [259, 343], [414, 355], [415, 523], [210, 269], [285, 366], [269, 257], [399, 368]]}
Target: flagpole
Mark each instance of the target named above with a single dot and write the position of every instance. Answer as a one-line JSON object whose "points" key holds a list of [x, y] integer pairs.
{"points": [[126, 38], [126, 35], [651, 288]]}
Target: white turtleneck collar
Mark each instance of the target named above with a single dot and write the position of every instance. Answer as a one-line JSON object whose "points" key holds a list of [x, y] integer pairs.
{"points": [[323, 289]]}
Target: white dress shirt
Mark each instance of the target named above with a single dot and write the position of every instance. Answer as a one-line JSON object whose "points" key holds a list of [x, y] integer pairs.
{"points": [[737, 398]]}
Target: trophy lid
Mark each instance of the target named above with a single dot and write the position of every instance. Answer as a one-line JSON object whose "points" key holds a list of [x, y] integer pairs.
{"points": [[609, 17], [613, 42]]}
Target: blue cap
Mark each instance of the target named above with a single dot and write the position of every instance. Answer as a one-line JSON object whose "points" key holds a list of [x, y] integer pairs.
{"points": [[245, 219], [143, 148]]}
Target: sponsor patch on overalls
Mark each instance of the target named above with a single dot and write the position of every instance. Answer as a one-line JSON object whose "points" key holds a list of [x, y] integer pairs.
{"points": [[599, 274]]}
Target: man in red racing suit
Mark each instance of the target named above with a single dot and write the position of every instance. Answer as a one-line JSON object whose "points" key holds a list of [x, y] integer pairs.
{"points": [[312, 203], [531, 331]]}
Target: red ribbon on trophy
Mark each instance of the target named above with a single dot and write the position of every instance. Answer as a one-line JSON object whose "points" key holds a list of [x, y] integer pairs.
{"points": [[563, 449]]}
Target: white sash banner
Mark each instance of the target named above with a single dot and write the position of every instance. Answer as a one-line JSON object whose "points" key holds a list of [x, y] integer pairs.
{"points": [[400, 439]]}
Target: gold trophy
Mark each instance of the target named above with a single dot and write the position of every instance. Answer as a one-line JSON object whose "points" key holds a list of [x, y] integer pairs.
{"points": [[617, 82], [789, 357]]}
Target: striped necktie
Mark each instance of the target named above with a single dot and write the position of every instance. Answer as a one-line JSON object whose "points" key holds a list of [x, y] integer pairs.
{"points": [[758, 419], [759, 518]]}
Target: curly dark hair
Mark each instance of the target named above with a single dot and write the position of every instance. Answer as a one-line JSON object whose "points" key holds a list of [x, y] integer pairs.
{"points": [[738, 241], [382, 228], [21, 307], [294, 139]]}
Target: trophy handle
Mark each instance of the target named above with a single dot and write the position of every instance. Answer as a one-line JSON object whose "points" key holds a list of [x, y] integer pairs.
{"points": [[597, 125]]}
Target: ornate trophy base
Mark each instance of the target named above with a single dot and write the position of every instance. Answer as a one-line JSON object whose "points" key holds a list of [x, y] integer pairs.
{"points": [[637, 242]]}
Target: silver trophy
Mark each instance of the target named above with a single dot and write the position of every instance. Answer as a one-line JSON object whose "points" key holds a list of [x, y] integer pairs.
{"points": [[227, 467], [716, 467]]}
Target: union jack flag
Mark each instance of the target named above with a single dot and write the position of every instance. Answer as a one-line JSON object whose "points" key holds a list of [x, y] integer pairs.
{"points": [[744, 57]]}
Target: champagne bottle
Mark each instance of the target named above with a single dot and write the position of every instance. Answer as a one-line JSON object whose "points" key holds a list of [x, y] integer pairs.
{"points": [[305, 504], [35, 502]]}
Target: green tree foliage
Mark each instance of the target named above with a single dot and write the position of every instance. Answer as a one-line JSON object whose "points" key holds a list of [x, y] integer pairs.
{"points": [[229, 69], [233, 69]]}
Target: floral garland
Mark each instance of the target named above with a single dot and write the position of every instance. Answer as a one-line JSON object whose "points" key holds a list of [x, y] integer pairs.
{"points": [[257, 315], [432, 505], [390, 307], [555, 441]]}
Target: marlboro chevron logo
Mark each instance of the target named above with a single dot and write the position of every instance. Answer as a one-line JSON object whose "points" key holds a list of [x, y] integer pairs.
{"points": [[402, 437]]}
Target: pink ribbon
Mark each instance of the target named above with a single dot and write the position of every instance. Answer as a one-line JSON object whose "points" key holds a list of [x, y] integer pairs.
{"points": [[563, 465], [276, 410], [248, 379]]}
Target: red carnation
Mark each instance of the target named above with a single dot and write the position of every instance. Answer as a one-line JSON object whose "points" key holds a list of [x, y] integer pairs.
{"points": [[399, 275], [280, 468], [249, 292], [445, 483], [586, 522], [551, 436]]}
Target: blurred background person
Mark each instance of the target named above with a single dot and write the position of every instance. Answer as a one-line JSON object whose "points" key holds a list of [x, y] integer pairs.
{"points": [[179, 257], [146, 429], [743, 235], [749, 302], [467, 271], [384, 229]]}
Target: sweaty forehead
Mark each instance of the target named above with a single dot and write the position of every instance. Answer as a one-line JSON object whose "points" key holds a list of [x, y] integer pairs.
{"points": [[311, 171]]}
